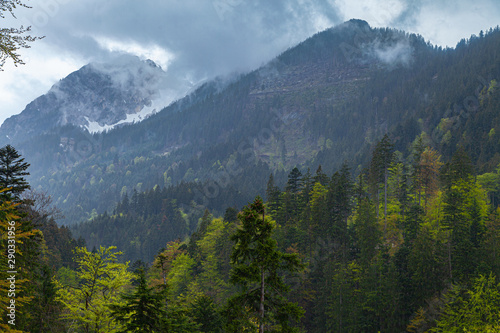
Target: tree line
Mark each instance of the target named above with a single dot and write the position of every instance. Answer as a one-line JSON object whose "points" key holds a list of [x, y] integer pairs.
{"points": [[408, 245]]}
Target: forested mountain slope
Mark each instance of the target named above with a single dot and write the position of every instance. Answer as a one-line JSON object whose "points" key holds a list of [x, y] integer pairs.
{"points": [[322, 102], [377, 157]]}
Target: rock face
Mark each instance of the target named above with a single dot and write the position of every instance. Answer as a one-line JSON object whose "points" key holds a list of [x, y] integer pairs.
{"points": [[96, 97]]}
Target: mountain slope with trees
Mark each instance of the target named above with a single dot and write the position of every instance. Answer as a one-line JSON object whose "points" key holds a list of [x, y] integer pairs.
{"points": [[327, 100], [407, 245]]}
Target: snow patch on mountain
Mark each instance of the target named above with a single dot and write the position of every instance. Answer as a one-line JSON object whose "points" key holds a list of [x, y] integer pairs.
{"points": [[98, 97], [145, 112]]}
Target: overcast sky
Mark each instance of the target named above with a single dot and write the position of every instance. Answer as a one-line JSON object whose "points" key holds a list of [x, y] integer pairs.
{"points": [[194, 40]]}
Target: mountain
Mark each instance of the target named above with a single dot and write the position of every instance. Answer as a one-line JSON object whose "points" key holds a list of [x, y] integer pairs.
{"points": [[97, 97], [325, 101]]}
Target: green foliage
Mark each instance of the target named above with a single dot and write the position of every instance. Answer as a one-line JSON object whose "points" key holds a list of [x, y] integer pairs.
{"points": [[257, 264], [206, 313], [367, 271], [358, 278], [45, 308], [9, 214], [383, 157], [474, 310], [367, 232], [180, 275], [12, 172], [13, 39], [139, 227], [490, 182], [22, 248], [144, 308], [101, 280]]}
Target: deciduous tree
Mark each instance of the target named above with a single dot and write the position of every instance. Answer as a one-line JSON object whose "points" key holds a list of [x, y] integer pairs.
{"points": [[101, 280], [13, 39]]}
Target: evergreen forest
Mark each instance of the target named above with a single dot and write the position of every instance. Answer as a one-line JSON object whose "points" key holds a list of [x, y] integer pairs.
{"points": [[410, 244]]}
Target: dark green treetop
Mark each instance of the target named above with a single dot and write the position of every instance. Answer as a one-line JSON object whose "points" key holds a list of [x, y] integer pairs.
{"points": [[12, 171], [257, 268], [144, 310]]}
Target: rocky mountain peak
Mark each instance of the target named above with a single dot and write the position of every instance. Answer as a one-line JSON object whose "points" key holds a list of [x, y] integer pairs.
{"points": [[98, 96]]}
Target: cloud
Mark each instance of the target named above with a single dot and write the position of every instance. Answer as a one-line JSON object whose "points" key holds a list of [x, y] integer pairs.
{"points": [[152, 51], [390, 53], [376, 13], [44, 67], [206, 36], [447, 22], [442, 22], [194, 40]]}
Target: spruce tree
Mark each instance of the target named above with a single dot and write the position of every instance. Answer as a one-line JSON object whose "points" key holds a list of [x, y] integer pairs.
{"points": [[257, 268], [340, 203], [320, 176], [417, 150], [294, 183], [12, 172], [294, 188], [273, 195], [144, 309], [383, 157]]}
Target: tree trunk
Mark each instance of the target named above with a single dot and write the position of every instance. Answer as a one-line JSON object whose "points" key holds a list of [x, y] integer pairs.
{"points": [[385, 199], [340, 314], [449, 259], [261, 307]]}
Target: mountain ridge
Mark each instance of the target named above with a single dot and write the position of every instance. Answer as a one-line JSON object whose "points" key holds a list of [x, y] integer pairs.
{"points": [[323, 102]]}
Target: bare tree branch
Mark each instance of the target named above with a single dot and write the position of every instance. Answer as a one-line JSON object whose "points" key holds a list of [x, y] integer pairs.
{"points": [[13, 39]]}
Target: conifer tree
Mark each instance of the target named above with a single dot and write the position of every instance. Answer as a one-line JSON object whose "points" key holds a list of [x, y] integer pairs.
{"points": [[476, 310], [45, 309], [367, 231], [294, 183], [307, 185], [257, 267], [383, 156], [27, 239], [292, 198], [8, 219], [205, 312], [455, 220], [12, 171], [144, 308], [340, 202], [231, 214], [459, 168], [418, 149], [272, 194], [430, 162], [320, 176]]}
